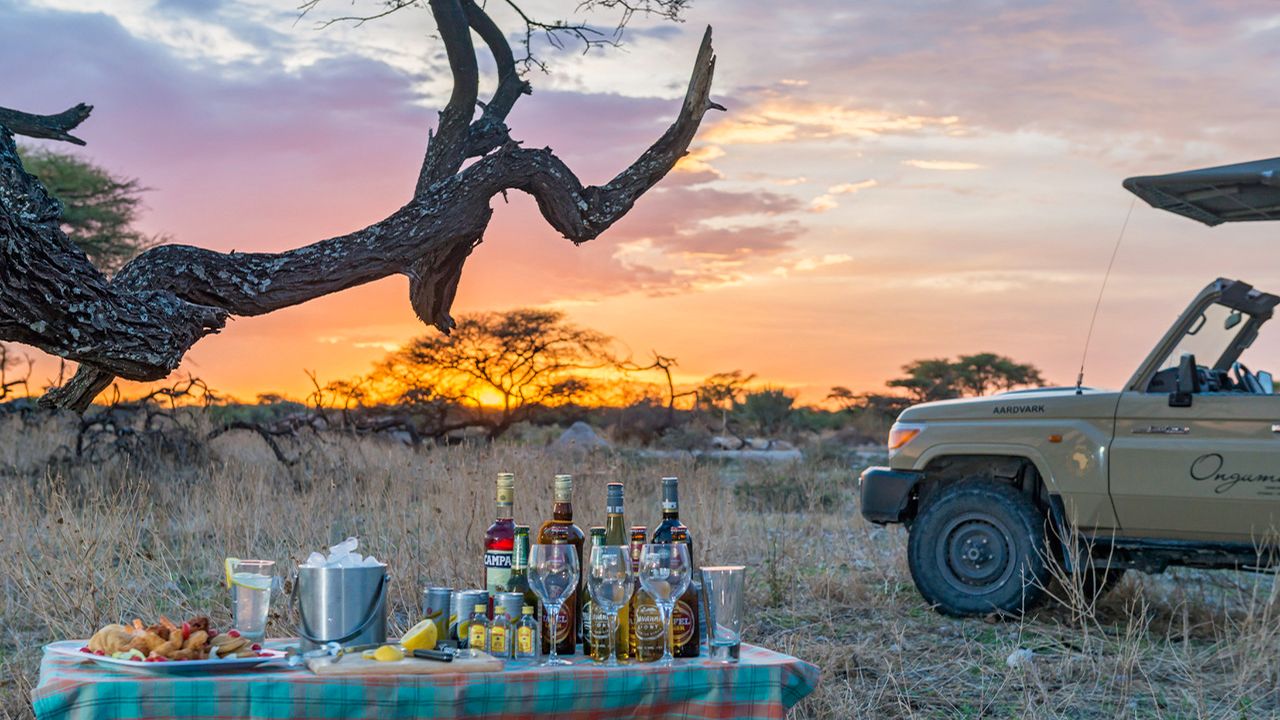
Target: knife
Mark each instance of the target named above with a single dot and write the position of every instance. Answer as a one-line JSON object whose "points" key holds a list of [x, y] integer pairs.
{"points": [[440, 655]]}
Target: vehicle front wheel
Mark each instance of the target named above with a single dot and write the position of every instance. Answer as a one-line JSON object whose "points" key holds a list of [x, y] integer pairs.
{"points": [[977, 547]]}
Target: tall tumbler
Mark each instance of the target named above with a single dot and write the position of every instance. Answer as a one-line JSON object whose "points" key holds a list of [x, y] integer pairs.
{"points": [[722, 591]]}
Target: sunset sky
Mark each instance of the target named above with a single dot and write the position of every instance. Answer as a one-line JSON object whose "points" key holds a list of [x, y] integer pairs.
{"points": [[893, 180]]}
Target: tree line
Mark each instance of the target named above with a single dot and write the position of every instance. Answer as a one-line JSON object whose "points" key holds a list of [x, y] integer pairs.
{"points": [[500, 369]]}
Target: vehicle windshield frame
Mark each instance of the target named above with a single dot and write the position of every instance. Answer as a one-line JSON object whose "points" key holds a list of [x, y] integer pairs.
{"points": [[1212, 343]]}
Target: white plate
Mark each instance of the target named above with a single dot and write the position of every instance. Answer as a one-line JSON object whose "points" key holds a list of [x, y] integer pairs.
{"points": [[71, 649]]}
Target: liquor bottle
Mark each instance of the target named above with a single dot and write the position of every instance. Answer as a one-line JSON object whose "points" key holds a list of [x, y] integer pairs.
{"points": [[685, 639], [595, 624], [477, 631], [499, 635], [670, 514], [519, 581], [615, 533], [646, 635], [499, 540], [561, 530], [527, 644]]}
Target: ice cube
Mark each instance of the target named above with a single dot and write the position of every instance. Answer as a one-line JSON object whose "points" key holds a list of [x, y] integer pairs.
{"points": [[314, 560], [346, 561], [346, 547], [370, 561]]}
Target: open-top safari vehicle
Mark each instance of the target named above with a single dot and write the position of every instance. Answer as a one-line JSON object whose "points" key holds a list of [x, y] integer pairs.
{"points": [[1180, 467]]}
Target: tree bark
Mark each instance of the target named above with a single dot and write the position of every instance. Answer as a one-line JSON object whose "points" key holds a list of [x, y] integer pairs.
{"points": [[139, 324]]}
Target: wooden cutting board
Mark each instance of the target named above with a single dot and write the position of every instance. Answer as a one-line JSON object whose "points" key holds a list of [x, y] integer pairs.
{"points": [[356, 665]]}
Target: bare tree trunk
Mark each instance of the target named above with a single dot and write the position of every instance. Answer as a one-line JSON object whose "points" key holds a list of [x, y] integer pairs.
{"points": [[139, 324]]}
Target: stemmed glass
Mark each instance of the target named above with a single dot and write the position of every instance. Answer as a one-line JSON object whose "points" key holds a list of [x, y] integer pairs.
{"points": [[610, 581], [665, 572], [553, 576]]}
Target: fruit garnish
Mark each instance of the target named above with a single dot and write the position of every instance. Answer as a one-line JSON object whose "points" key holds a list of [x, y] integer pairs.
{"points": [[230, 563], [255, 647], [186, 630], [388, 653], [100, 653], [422, 636], [86, 650], [233, 633]]}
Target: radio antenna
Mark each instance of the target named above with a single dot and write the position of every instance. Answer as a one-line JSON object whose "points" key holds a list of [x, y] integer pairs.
{"points": [[1107, 276]]}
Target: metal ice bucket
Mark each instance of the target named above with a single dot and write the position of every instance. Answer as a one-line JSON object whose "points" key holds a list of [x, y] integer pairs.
{"points": [[343, 605]]}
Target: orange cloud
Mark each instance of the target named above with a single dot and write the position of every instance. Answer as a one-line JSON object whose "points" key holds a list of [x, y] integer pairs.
{"points": [[943, 165], [784, 120]]}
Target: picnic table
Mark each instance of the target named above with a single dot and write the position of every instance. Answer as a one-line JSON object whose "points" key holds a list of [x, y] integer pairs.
{"points": [[764, 684]]}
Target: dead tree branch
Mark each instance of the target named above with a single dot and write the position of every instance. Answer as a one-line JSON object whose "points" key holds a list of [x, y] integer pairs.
{"points": [[140, 323]]}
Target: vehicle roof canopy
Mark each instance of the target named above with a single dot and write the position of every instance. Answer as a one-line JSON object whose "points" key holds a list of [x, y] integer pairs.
{"points": [[1244, 192]]}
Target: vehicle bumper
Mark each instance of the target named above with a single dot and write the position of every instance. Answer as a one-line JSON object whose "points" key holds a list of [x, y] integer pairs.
{"points": [[886, 493]]}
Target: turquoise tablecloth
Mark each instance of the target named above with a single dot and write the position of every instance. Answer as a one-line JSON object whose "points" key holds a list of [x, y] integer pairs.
{"points": [[763, 685]]}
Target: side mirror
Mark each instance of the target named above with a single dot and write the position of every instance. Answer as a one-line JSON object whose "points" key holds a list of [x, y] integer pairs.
{"points": [[1188, 382], [1265, 380]]}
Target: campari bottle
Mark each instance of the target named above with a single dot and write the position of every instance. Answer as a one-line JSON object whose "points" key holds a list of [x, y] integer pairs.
{"points": [[499, 540]]}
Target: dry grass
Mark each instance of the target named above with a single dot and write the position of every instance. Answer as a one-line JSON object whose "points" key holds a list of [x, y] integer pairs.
{"points": [[80, 546]]}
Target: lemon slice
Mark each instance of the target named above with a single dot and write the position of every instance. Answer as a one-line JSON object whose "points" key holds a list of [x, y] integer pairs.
{"points": [[388, 653], [422, 636], [227, 565]]}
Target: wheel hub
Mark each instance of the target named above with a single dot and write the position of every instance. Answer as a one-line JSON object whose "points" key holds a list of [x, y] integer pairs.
{"points": [[975, 554]]}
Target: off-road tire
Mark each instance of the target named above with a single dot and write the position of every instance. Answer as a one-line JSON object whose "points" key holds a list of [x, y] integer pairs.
{"points": [[977, 547]]}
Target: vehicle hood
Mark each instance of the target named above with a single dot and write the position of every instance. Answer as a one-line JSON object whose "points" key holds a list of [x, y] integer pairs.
{"points": [[1019, 405]]}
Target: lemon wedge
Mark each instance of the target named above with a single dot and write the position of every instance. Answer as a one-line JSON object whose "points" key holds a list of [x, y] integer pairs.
{"points": [[388, 653], [227, 565], [422, 636]]}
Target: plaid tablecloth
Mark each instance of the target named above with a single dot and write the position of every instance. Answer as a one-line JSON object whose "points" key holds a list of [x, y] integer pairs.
{"points": [[763, 685]]}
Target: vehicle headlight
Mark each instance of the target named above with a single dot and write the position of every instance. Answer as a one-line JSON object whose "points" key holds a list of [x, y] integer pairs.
{"points": [[901, 434]]}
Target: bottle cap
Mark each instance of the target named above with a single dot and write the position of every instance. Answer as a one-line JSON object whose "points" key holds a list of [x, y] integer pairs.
{"points": [[522, 529], [597, 531], [613, 498], [526, 610], [480, 607], [564, 488], [506, 479]]}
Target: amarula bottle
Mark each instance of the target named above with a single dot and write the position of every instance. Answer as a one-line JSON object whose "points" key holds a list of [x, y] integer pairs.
{"points": [[499, 540], [685, 639], [561, 530], [595, 624], [647, 632], [615, 533]]}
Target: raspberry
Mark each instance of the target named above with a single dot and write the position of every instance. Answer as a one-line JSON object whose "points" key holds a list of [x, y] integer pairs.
{"points": [[255, 647], [85, 650], [233, 633]]}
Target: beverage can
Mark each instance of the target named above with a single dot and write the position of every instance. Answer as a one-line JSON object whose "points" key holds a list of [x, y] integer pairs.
{"points": [[435, 607], [509, 603], [461, 604]]}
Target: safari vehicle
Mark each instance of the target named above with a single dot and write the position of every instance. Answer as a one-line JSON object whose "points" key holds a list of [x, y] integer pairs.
{"points": [[1180, 467]]}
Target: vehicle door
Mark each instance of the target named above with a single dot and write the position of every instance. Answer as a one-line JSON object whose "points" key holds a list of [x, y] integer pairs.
{"points": [[1206, 466]]}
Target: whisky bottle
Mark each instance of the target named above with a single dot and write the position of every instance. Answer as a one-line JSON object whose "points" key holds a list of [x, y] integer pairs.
{"points": [[647, 633], [499, 539], [615, 533], [685, 639], [563, 629]]}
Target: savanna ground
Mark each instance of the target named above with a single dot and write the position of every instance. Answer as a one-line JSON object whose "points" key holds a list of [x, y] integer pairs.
{"points": [[85, 543]]}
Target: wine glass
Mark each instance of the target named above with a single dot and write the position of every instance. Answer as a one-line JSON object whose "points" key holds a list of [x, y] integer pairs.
{"points": [[665, 571], [553, 576], [610, 580]]}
